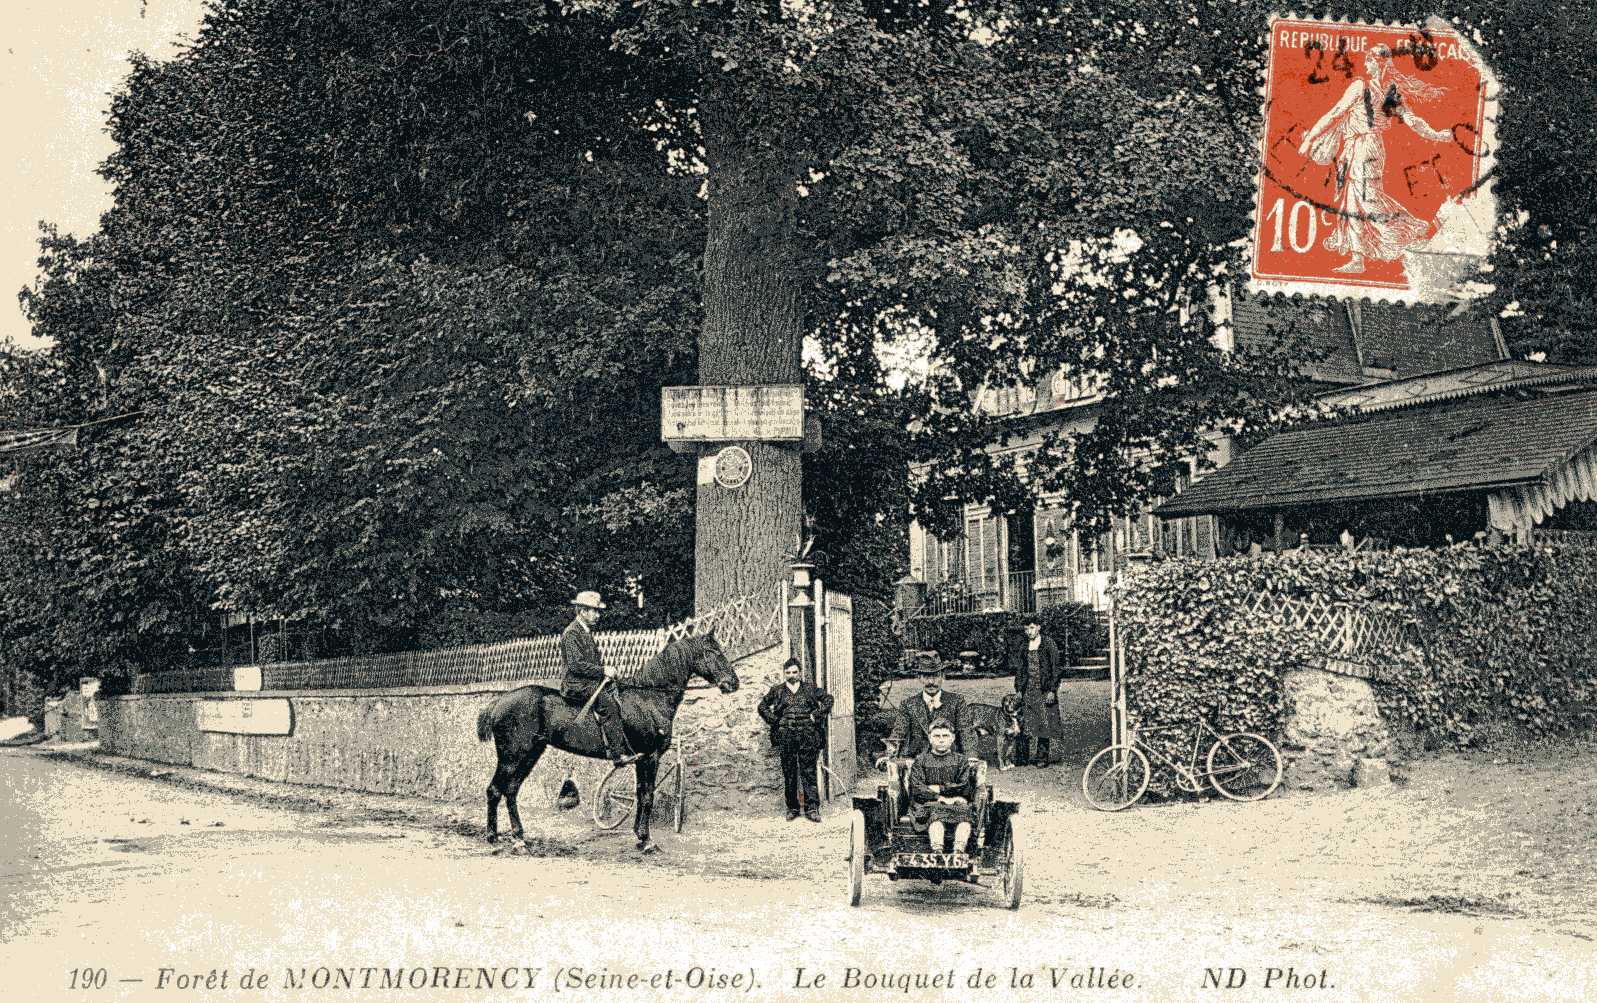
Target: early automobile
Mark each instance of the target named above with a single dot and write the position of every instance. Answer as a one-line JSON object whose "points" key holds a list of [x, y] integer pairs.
{"points": [[883, 839]]}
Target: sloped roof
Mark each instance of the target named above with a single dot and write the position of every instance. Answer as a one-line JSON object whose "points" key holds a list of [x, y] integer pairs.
{"points": [[1407, 340], [1486, 378], [1474, 443], [1415, 340], [1321, 327]]}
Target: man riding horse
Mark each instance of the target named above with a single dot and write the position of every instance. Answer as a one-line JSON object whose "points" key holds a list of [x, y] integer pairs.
{"points": [[588, 680], [525, 721]]}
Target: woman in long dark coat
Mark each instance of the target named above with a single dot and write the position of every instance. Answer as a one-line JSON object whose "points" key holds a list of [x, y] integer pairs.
{"points": [[1034, 660]]}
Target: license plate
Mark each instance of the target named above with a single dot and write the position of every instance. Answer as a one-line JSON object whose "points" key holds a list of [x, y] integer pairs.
{"points": [[932, 860]]}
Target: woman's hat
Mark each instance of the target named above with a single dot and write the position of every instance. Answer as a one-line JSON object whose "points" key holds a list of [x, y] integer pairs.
{"points": [[588, 598]]}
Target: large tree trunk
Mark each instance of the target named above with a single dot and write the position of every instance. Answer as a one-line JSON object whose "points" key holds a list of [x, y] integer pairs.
{"points": [[752, 335]]}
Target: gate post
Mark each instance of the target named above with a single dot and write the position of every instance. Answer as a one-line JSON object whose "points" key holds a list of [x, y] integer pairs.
{"points": [[801, 621], [834, 657]]}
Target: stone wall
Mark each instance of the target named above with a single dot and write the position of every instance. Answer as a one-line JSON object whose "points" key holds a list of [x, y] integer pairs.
{"points": [[1333, 731], [422, 741]]}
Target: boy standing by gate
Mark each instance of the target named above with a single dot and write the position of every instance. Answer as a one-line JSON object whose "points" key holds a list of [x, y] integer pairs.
{"points": [[796, 711]]}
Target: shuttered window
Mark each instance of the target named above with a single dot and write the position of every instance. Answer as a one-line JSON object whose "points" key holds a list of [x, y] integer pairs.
{"points": [[981, 551]]}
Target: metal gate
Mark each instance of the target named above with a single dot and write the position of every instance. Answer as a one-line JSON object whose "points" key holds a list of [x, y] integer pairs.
{"points": [[1118, 723], [834, 660]]}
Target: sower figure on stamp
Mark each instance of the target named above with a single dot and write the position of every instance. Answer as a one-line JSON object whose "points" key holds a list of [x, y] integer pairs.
{"points": [[586, 675], [1370, 222], [912, 731], [1035, 662], [796, 711]]}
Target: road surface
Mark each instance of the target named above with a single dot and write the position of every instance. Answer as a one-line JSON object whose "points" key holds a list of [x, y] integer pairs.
{"points": [[144, 889]]}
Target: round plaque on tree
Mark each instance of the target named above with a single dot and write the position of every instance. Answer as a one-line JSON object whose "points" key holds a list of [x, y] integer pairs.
{"points": [[732, 467]]}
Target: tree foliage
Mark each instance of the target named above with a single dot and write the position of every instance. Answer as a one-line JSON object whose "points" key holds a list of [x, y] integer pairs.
{"points": [[396, 285]]}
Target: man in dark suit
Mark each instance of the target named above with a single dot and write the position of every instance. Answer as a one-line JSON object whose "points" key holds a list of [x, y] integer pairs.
{"points": [[796, 711], [585, 674], [916, 714]]}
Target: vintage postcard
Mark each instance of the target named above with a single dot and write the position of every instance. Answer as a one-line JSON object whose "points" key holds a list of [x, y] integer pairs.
{"points": [[710, 501]]}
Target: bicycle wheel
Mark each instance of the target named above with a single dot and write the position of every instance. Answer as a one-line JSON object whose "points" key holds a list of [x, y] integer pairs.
{"points": [[1115, 778], [616, 798], [1244, 766]]}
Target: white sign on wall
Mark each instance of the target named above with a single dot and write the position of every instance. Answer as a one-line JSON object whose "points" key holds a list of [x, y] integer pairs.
{"points": [[718, 414]]}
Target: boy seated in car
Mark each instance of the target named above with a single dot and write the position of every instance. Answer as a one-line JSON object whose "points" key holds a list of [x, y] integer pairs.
{"points": [[942, 784]]}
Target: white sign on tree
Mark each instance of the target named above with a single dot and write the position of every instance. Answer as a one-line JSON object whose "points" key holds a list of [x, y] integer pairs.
{"points": [[720, 414]]}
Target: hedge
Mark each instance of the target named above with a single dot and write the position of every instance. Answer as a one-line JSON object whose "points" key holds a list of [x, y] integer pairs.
{"points": [[1507, 638], [878, 648], [1075, 627]]}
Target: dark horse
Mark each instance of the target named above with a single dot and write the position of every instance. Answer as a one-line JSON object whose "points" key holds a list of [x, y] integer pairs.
{"points": [[525, 721]]}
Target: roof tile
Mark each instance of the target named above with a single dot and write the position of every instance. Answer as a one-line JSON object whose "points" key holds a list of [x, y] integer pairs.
{"points": [[1407, 340], [1475, 442]]}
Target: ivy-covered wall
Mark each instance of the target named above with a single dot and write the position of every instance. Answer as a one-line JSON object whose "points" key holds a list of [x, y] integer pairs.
{"points": [[1507, 638]]}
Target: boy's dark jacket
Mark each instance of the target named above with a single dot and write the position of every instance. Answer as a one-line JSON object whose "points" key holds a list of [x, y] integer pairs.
{"points": [[806, 708]]}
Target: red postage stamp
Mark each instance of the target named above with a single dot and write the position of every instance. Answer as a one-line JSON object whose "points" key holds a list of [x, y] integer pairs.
{"points": [[1375, 162]]}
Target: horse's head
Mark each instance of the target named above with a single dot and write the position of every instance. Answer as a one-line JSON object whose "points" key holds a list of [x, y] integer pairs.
{"points": [[710, 663]]}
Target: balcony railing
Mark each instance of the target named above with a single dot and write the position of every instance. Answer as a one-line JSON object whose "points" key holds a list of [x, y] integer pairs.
{"points": [[1568, 537], [957, 598], [1018, 595], [1021, 595]]}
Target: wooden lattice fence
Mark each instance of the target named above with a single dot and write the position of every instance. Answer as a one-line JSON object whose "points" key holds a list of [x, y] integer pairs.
{"points": [[1354, 641], [742, 626]]}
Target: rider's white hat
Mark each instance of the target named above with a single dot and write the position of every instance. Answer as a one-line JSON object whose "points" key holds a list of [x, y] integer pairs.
{"points": [[590, 599]]}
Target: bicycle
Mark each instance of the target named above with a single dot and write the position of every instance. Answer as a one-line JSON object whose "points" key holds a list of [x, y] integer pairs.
{"points": [[616, 798], [1241, 765]]}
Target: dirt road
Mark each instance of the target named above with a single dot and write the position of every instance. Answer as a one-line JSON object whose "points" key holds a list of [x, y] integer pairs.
{"points": [[1406, 892]]}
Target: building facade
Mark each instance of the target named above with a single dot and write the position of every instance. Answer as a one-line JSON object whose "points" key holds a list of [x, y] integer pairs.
{"points": [[1024, 560]]}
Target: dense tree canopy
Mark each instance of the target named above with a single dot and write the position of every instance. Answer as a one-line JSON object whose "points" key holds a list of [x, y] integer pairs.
{"points": [[396, 284]]}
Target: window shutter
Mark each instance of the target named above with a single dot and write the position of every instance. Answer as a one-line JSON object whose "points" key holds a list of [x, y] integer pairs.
{"points": [[972, 551], [990, 556]]}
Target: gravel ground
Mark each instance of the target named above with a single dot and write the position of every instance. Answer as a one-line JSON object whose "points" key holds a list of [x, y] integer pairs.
{"points": [[1472, 880], [1504, 833]]}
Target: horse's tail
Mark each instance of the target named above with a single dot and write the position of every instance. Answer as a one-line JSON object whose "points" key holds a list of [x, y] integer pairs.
{"points": [[487, 719]]}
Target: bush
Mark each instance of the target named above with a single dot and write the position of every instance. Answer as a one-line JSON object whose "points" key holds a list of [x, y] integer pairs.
{"points": [[1506, 638], [25, 696], [1073, 626], [878, 649]]}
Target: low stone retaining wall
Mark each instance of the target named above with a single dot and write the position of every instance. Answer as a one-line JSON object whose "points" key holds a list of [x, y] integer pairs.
{"points": [[1334, 732], [422, 741]]}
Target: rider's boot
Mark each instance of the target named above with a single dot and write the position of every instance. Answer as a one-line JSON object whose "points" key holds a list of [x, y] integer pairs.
{"points": [[615, 741]]}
